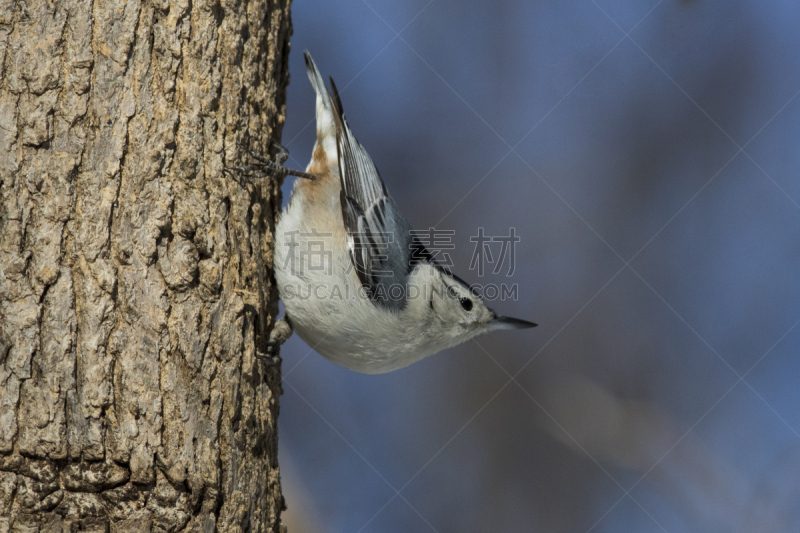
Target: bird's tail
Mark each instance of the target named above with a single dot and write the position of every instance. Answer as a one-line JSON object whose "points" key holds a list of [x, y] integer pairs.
{"points": [[326, 114]]}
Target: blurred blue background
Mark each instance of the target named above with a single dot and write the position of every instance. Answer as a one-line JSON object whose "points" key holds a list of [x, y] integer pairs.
{"points": [[647, 154]]}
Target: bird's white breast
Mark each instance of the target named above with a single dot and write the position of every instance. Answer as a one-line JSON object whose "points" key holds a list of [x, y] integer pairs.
{"points": [[326, 303]]}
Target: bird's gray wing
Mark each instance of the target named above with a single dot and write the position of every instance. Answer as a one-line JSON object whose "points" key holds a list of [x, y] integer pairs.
{"points": [[378, 235]]}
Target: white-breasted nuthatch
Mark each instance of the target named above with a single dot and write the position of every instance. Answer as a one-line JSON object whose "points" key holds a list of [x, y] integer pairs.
{"points": [[358, 287]]}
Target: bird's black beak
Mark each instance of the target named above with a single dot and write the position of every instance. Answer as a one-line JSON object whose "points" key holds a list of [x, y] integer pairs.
{"points": [[507, 322]]}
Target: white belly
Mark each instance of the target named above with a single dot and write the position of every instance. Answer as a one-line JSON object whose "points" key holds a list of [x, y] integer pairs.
{"points": [[327, 305]]}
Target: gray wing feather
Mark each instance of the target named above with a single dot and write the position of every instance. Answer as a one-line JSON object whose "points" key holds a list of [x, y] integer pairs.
{"points": [[377, 232]]}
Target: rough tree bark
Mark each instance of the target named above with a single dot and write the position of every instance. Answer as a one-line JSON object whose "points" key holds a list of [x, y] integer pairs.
{"points": [[135, 276]]}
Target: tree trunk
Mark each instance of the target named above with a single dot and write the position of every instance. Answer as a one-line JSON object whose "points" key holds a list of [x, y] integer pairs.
{"points": [[136, 288]]}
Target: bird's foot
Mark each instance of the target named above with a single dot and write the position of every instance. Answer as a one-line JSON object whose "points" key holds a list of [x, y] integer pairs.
{"points": [[280, 333], [264, 166]]}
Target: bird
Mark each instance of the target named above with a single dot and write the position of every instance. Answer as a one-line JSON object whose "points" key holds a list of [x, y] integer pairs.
{"points": [[356, 284]]}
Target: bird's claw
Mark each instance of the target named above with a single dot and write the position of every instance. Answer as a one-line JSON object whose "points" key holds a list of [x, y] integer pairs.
{"points": [[265, 166], [261, 166], [282, 155], [281, 331]]}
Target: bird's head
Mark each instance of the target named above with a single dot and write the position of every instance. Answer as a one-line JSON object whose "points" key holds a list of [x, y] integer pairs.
{"points": [[459, 313]]}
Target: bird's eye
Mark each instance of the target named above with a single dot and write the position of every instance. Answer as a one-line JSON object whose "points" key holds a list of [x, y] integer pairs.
{"points": [[466, 304]]}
